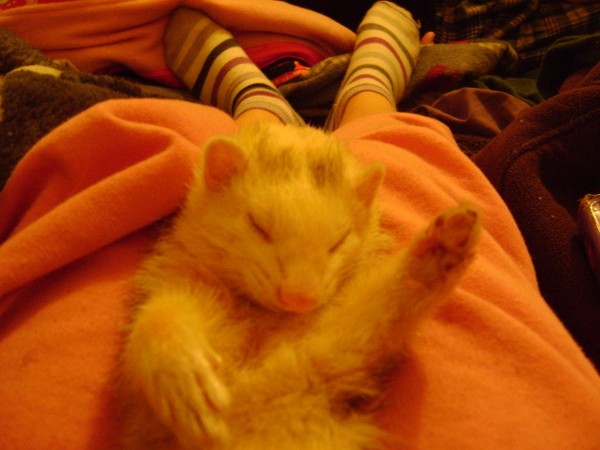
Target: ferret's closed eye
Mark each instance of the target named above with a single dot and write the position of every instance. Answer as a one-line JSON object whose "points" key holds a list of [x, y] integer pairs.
{"points": [[258, 229], [339, 243]]}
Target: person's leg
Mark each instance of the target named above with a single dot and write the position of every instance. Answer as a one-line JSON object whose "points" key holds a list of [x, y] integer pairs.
{"points": [[256, 115], [363, 104], [214, 67], [386, 50]]}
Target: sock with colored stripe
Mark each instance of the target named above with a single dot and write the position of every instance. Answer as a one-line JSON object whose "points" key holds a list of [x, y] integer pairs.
{"points": [[209, 61], [387, 46]]}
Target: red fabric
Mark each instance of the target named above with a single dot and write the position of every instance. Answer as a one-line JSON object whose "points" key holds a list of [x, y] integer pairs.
{"points": [[270, 52]]}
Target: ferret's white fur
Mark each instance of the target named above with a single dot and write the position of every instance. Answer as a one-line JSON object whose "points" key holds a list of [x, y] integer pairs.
{"points": [[214, 359]]}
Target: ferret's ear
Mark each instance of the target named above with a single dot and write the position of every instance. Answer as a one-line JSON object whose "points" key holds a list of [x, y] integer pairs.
{"points": [[369, 182], [223, 160]]}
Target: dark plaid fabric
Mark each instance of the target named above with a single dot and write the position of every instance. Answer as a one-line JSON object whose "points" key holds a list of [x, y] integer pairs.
{"points": [[529, 25]]}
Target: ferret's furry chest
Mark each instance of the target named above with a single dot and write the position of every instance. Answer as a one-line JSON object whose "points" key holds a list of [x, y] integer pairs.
{"points": [[262, 331]]}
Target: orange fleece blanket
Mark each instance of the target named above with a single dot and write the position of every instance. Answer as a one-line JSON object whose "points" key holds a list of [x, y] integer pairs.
{"points": [[103, 35], [494, 369]]}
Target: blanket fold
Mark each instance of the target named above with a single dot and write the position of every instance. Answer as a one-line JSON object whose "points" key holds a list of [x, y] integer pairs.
{"points": [[99, 177]]}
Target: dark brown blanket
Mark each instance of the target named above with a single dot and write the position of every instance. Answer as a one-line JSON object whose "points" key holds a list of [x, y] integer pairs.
{"points": [[542, 165]]}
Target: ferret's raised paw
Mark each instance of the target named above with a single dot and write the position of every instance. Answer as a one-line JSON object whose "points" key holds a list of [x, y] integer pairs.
{"points": [[445, 248]]}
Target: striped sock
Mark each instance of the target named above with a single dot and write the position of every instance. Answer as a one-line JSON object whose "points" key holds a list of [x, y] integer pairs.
{"points": [[385, 53], [216, 69]]}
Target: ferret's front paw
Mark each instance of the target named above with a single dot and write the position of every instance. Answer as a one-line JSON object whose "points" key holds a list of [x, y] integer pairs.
{"points": [[442, 252], [189, 398]]}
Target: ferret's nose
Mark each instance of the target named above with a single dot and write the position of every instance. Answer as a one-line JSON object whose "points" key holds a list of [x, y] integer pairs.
{"points": [[295, 302]]}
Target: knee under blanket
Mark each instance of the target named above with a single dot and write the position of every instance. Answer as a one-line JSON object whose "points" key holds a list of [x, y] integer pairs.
{"points": [[494, 369]]}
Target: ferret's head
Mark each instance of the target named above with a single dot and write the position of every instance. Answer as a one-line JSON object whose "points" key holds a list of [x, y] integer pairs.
{"points": [[280, 214]]}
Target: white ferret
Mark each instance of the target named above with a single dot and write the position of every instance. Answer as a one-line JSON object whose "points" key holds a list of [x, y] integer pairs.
{"points": [[271, 310]]}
